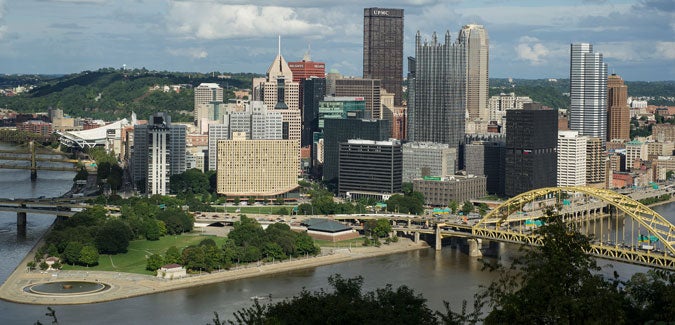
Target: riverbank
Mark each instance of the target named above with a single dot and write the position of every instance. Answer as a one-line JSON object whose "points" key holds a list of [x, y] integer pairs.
{"points": [[127, 285]]}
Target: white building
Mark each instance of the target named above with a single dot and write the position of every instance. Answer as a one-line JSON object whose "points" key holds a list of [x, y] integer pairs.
{"points": [[208, 97], [497, 105], [571, 159], [427, 159]]}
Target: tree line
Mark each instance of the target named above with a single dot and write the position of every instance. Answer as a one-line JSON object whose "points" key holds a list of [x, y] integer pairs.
{"points": [[247, 242], [80, 239]]}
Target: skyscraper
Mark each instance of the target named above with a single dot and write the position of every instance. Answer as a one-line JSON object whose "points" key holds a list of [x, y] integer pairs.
{"points": [[476, 47], [436, 112], [618, 113], [531, 140], [366, 88], [383, 48], [314, 90], [158, 153], [571, 170], [588, 92], [207, 97], [280, 92]]}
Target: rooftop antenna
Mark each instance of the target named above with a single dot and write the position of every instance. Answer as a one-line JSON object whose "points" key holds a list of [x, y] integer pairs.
{"points": [[279, 45], [280, 66], [308, 57]]}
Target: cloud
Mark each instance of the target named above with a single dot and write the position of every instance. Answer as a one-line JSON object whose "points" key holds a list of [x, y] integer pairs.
{"points": [[530, 49], [192, 52], [77, 1], [3, 28], [665, 50], [66, 26], [209, 20]]}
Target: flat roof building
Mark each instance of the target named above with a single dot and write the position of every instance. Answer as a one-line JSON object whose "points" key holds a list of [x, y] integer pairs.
{"points": [[369, 167], [440, 191], [259, 168]]}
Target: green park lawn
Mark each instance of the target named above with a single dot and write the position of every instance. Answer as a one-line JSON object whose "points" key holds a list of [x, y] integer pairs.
{"points": [[354, 242], [134, 261]]}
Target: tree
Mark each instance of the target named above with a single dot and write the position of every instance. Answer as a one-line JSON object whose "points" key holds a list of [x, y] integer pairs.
{"points": [[31, 265], [556, 283], [467, 207], [279, 201], [72, 252], [113, 237], [378, 228], [152, 231], [172, 255], [237, 200], [246, 232], [454, 206], [88, 256], [155, 261], [251, 200], [670, 173], [345, 304]]}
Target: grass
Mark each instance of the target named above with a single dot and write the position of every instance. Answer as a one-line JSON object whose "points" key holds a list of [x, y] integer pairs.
{"points": [[134, 261], [354, 242]]}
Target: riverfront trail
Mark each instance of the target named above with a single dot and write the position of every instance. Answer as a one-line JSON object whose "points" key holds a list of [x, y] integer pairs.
{"points": [[126, 285]]}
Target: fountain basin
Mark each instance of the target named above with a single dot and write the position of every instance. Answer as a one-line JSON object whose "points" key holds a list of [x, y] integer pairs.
{"points": [[66, 288]]}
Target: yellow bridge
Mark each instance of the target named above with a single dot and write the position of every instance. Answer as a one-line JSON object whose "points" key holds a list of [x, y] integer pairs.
{"points": [[620, 228], [33, 158]]}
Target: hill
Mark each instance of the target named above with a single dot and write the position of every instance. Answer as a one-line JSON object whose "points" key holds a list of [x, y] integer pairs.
{"points": [[553, 93], [112, 93]]}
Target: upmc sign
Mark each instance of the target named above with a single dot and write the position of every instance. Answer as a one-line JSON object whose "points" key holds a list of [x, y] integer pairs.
{"points": [[384, 12]]}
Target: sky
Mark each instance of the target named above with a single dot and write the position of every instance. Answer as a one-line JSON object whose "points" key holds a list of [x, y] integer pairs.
{"points": [[528, 39]]}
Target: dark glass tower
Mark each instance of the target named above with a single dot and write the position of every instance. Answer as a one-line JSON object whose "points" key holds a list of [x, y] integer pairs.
{"points": [[531, 141], [337, 131], [383, 48], [314, 90]]}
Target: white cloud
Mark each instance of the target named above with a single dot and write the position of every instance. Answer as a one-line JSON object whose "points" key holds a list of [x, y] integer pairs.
{"points": [[530, 49], [192, 52], [3, 28], [665, 50], [208, 20]]}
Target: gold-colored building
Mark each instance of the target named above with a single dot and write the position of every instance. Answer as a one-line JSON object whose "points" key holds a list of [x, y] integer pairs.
{"points": [[258, 168], [618, 113], [595, 163]]}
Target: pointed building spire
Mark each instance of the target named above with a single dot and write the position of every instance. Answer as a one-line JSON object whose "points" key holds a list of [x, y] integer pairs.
{"points": [[279, 46]]}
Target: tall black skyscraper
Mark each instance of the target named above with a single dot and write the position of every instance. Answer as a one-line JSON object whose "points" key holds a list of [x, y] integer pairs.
{"points": [[314, 90], [531, 141], [383, 48], [336, 131]]}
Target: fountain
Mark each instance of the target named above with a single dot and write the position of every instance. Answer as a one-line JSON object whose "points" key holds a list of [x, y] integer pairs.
{"points": [[66, 288]]}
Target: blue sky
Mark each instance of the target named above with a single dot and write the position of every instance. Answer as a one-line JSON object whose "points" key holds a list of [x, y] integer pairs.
{"points": [[528, 39]]}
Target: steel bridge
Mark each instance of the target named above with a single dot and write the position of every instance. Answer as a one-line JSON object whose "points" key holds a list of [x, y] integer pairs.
{"points": [[34, 158], [622, 230]]}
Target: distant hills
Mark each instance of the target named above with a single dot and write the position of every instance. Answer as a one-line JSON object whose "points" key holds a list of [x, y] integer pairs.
{"points": [[113, 93]]}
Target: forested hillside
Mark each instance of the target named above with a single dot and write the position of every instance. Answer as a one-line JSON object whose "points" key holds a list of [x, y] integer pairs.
{"points": [[113, 93]]}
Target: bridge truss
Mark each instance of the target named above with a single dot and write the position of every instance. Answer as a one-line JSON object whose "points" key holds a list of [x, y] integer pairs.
{"points": [[619, 227]]}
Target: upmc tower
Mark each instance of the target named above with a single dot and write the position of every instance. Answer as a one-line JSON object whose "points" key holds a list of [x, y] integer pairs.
{"points": [[383, 48]]}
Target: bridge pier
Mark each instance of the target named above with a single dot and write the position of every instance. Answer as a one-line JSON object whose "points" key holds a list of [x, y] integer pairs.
{"points": [[438, 238], [33, 162], [21, 224], [474, 247], [417, 237]]}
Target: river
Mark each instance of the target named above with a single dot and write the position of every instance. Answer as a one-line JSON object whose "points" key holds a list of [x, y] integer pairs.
{"points": [[447, 275]]}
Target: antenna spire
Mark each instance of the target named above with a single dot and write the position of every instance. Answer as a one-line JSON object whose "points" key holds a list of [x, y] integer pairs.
{"points": [[279, 44]]}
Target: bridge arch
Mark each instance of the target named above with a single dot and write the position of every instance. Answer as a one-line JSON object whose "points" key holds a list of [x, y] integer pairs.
{"points": [[655, 224]]}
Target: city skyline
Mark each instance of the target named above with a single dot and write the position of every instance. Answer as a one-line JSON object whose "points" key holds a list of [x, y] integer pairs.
{"points": [[528, 39]]}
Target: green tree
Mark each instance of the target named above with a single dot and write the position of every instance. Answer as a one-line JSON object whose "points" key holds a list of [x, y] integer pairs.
{"points": [[556, 283], [152, 231], [454, 206], [155, 261], [467, 207], [669, 174], [72, 252], [378, 228], [237, 200], [172, 255], [304, 244], [345, 304], [251, 200], [246, 232], [113, 237], [31, 265], [88, 256]]}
